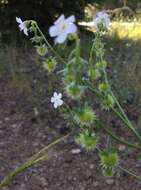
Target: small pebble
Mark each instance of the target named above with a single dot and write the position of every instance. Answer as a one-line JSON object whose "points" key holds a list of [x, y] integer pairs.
{"points": [[110, 181], [128, 45], [6, 118], [36, 112], [43, 181], [91, 166], [76, 151], [14, 125], [121, 148], [5, 188], [95, 184]]}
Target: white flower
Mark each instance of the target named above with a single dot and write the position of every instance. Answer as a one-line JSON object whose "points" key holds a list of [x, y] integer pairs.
{"points": [[22, 25], [102, 18], [56, 100], [62, 27]]}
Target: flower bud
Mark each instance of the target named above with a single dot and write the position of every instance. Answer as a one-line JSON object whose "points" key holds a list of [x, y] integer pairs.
{"points": [[27, 23], [72, 36]]}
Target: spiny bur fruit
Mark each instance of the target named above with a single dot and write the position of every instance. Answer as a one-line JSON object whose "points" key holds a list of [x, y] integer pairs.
{"points": [[101, 65], [94, 73], [42, 50], [69, 76], [108, 102], [87, 139], [50, 64], [74, 90], [103, 87], [85, 116], [109, 160]]}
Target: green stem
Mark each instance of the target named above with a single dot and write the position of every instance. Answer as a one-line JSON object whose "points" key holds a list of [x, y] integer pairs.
{"points": [[115, 137], [127, 123], [78, 61], [48, 44], [6, 181], [130, 173], [36, 158], [120, 108], [91, 54], [123, 117]]}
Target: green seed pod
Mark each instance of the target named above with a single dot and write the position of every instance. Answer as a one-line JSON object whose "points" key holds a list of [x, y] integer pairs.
{"points": [[101, 65], [94, 73], [109, 160], [69, 76], [50, 64], [87, 139], [103, 87], [108, 102], [85, 116], [42, 50], [72, 36], [108, 172], [74, 90]]}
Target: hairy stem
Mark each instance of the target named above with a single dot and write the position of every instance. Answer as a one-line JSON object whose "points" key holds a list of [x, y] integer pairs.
{"points": [[115, 137], [36, 158], [48, 44], [122, 116], [7, 180], [119, 114], [130, 173]]}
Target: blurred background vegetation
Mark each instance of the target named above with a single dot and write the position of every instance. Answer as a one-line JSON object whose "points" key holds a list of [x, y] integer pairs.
{"points": [[45, 11], [122, 49]]}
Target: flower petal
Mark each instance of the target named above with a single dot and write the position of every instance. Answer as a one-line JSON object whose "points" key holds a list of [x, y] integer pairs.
{"points": [[70, 19], [60, 95], [25, 31], [72, 28], [61, 38], [19, 20], [55, 95], [52, 100], [21, 26], [55, 105], [53, 31], [60, 19], [60, 102]]}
